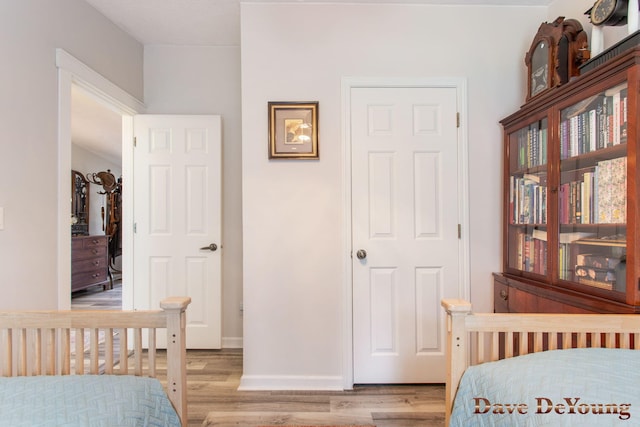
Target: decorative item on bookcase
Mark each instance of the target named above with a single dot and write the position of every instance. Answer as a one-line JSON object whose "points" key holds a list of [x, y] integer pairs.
{"points": [[611, 13], [556, 52], [608, 12]]}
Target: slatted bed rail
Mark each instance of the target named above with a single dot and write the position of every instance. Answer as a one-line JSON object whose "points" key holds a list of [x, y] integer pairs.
{"points": [[474, 338], [53, 343]]}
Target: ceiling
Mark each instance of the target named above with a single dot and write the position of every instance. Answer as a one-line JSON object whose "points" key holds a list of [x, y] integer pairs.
{"points": [[217, 22], [176, 22], [95, 127], [184, 22]]}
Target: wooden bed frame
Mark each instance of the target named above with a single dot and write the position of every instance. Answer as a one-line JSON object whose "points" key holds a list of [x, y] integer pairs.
{"points": [[39, 343], [474, 338]]}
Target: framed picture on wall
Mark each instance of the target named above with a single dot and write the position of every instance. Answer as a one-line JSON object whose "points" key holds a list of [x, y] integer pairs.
{"points": [[293, 130]]}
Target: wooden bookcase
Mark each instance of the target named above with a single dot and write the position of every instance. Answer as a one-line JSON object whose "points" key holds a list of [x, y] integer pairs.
{"points": [[571, 236]]}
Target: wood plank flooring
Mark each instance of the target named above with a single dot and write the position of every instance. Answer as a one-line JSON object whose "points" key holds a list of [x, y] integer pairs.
{"points": [[214, 400], [95, 298]]}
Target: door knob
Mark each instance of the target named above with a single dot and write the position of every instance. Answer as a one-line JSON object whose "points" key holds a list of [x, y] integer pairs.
{"points": [[361, 254], [212, 247]]}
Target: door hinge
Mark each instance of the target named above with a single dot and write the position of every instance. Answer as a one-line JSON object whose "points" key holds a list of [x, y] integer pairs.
{"points": [[135, 142], [459, 231], [135, 227], [457, 120]]}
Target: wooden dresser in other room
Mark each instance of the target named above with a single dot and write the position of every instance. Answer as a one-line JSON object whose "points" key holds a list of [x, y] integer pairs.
{"points": [[89, 262]]}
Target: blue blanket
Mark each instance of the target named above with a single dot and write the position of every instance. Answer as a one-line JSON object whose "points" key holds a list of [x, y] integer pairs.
{"points": [[575, 387], [84, 400]]}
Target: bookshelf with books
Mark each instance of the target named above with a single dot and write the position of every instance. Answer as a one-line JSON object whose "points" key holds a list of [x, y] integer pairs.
{"points": [[571, 237], [528, 197]]}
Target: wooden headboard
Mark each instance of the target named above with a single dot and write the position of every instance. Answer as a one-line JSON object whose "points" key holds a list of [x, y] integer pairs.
{"points": [[474, 338], [39, 343]]}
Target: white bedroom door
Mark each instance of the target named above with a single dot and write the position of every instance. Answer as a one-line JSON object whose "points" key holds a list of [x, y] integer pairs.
{"points": [[177, 215], [404, 144]]}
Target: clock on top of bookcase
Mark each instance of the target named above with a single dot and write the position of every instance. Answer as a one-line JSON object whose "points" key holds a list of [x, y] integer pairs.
{"points": [[556, 52]]}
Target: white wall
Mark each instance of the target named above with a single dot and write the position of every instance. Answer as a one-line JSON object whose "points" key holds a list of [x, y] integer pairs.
{"points": [[206, 80], [30, 31], [293, 226]]}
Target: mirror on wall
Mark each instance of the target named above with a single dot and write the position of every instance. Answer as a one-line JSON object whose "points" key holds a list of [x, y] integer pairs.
{"points": [[79, 204]]}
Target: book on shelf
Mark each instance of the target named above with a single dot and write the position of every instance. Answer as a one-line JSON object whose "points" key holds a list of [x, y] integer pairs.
{"points": [[586, 197], [595, 273], [611, 190], [597, 261], [618, 98], [596, 284], [567, 237], [563, 258], [616, 240], [570, 237], [623, 116], [539, 234]]}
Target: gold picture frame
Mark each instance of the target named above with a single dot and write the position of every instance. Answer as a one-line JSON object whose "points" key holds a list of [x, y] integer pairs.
{"points": [[293, 130]]}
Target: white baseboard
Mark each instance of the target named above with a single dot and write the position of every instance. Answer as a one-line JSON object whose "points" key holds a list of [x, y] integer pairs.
{"points": [[231, 342], [290, 382]]}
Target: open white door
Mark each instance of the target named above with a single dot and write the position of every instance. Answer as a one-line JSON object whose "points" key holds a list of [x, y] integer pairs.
{"points": [[177, 216]]}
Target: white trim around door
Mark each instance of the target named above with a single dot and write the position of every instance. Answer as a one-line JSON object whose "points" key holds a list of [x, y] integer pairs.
{"points": [[348, 83], [72, 71]]}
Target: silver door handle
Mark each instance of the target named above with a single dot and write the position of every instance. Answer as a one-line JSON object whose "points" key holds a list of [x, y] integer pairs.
{"points": [[212, 247], [361, 254]]}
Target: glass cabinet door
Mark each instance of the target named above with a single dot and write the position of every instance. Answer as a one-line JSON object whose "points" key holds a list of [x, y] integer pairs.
{"points": [[592, 192], [527, 205]]}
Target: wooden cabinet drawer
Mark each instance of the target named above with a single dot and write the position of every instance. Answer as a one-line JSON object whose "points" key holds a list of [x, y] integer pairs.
{"points": [[91, 252], [88, 278], [88, 265]]}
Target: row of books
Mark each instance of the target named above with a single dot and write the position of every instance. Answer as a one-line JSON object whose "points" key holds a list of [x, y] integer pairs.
{"points": [[531, 253], [565, 239], [595, 123], [598, 196], [532, 145], [528, 199]]}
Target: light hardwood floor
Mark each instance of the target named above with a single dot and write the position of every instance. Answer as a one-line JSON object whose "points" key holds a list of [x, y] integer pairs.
{"points": [[213, 378]]}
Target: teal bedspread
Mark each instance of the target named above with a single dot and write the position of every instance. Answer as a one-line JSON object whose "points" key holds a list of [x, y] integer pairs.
{"points": [[84, 400], [574, 387]]}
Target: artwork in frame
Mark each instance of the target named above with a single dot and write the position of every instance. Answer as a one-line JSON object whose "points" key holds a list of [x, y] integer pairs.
{"points": [[293, 130]]}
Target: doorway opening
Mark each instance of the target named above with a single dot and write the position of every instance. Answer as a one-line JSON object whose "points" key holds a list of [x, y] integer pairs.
{"points": [[96, 209]]}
